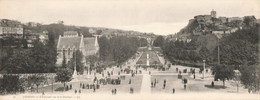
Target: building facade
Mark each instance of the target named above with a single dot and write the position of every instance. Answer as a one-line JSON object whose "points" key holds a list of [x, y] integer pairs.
{"points": [[71, 42], [16, 32]]}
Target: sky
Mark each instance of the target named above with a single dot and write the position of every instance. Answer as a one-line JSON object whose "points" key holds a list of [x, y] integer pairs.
{"points": [[157, 16]]}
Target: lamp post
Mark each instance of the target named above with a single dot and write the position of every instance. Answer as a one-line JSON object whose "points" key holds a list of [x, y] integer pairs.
{"points": [[218, 36], [204, 68]]}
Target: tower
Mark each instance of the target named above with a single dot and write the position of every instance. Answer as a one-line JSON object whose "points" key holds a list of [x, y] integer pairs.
{"points": [[213, 13]]}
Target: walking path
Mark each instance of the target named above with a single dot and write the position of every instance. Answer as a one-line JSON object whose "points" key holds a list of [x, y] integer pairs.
{"points": [[146, 84]]}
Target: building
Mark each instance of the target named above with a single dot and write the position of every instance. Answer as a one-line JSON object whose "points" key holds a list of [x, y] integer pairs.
{"points": [[91, 45], [11, 28], [67, 45], [202, 19], [213, 14], [71, 42], [31, 37], [70, 34], [223, 19], [234, 19], [16, 32]]}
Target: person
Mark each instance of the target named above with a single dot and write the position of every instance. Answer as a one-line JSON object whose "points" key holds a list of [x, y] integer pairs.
{"points": [[129, 81], [94, 88], [79, 91], [112, 91], [87, 86], [194, 76], [67, 88], [70, 86], [185, 86], [185, 81], [75, 91], [131, 90], [83, 86], [80, 85], [149, 72], [173, 90], [95, 79], [152, 84], [164, 84], [212, 84], [115, 91]]}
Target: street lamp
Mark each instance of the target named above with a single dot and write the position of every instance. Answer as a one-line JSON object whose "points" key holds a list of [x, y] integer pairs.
{"points": [[218, 36], [204, 68]]}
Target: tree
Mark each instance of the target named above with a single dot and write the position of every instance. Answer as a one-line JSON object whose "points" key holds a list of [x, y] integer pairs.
{"points": [[223, 72], [159, 41], [237, 51], [63, 75], [117, 49], [99, 32], [44, 57], [79, 62], [105, 50], [92, 59], [143, 42], [250, 21], [204, 53], [20, 62], [10, 84], [36, 79], [250, 76], [64, 61]]}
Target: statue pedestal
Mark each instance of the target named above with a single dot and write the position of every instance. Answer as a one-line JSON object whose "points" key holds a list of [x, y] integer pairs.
{"points": [[147, 61], [149, 48]]}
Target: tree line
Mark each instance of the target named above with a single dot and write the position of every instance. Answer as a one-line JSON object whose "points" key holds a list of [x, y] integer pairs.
{"points": [[238, 51], [119, 48], [39, 59]]}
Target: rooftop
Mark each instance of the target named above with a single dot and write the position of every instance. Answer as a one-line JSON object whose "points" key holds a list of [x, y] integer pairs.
{"points": [[70, 33], [69, 42], [89, 43]]}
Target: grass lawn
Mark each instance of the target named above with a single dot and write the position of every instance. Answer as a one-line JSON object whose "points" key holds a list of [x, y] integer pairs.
{"points": [[152, 56]]}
